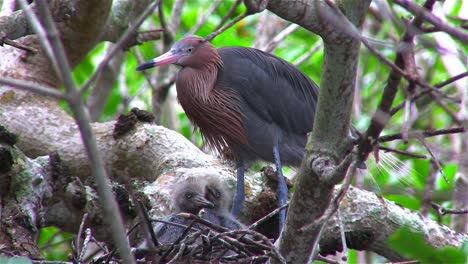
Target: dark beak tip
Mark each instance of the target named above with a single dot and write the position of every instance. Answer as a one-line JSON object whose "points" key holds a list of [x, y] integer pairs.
{"points": [[145, 66]]}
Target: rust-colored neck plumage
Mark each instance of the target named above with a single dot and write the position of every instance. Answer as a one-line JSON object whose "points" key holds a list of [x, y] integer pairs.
{"points": [[214, 109]]}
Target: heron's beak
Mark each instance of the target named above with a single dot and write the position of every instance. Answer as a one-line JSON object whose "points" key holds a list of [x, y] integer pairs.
{"points": [[203, 202], [169, 57]]}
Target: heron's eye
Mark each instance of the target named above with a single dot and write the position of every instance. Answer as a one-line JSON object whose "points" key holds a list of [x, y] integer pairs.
{"points": [[190, 49], [188, 195]]}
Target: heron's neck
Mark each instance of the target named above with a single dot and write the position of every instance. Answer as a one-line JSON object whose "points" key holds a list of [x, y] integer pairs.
{"points": [[197, 83]]}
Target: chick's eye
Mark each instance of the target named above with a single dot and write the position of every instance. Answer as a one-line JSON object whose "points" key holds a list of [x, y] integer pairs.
{"points": [[188, 195], [190, 49], [218, 194]]}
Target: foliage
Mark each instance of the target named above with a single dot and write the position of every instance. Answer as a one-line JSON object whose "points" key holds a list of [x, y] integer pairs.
{"points": [[397, 178], [412, 246]]}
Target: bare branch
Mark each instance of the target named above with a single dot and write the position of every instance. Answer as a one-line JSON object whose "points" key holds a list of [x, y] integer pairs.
{"points": [[205, 17], [443, 211], [118, 46], [228, 14], [424, 134], [59, 59], [33, 87], [423, 14]]}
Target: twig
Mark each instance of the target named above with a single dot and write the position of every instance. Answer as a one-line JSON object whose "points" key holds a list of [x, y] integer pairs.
{"points": [[449, 111], [252, 8], [424, 134], [428, 193], [118, 45], [423, 14], [401, 152], [221, 30], [326, 260], [78, 238], [268, 216], [309, 53], [33, 87], [344, 257], [443, 211], [58, 56], [334, 206], [382, 114], [228, 14], [451, 79], [270, 46], [424, 92], [17, 45], [205, 17], [178, 255], [434, 158]]}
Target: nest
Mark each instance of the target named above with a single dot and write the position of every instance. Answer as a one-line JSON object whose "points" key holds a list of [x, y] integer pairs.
{"points": [[211, 243]]}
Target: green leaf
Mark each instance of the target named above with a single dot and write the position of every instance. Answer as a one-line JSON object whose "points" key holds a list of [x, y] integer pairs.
{"points": [[411, 245], [410, 202]]}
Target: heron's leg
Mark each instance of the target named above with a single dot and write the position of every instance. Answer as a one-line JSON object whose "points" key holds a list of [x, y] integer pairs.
{"points": [[239, 197], [282, 192]]}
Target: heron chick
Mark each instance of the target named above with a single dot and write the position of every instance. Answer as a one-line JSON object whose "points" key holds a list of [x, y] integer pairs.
{"points": [[220, 197], [188, 197]]}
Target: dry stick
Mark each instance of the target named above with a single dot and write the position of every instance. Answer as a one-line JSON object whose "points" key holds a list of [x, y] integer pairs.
{"points": [[424, 92], [17, 45], [309, 53], [221, 30], [443, 211], [270, 46], [205, 17], [160, 91], [228, 14], [274, 250], [180, 238], [401, 152], [118, 45], [33, 87], [59, 60], [78, 238], [178, 255], [268, 216], [86, 242], [452, 79], [327, 260], [343, 236], [377, 124], [434, 158], [148, 223], [428, 193], [142, 214], [172, 223], [334, 206], [162, 20], [449, 111], [422, 13], [401, 72], [424, 134], [234, 232]]}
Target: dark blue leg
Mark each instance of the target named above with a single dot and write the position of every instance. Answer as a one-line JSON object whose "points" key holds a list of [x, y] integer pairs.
{"points": [[239, 197], [282, 192]]}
